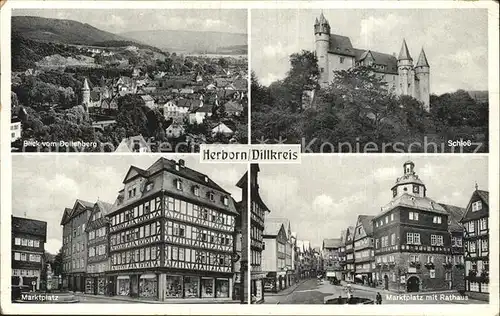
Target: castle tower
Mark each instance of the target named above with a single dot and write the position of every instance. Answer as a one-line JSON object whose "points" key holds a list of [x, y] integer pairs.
{"points": [[422, 72], [405, 71], [322, 43], [86, 95]]}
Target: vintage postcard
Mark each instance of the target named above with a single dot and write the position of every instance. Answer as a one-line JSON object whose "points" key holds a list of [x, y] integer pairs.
{"points": [[211, 157]]}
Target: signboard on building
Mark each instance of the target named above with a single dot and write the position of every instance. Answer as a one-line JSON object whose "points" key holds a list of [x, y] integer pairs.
{"points": [[330, 274]]}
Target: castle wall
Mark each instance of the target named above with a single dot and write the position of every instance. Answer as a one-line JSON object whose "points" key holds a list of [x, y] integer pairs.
{"points": [[339, 62]]}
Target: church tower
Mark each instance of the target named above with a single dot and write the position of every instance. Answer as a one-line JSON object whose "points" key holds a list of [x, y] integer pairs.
{"points": [[322, 43], [422, 72], [405, 71], [86, 95]]}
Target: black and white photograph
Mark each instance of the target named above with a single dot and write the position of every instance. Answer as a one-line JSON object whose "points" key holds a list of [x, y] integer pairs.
{"points": [[123, 80], [364, 81], [142, 229], [377, 230]]}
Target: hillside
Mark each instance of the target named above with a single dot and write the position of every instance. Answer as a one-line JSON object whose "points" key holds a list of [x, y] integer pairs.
{"points": [[60, 31], [189, 41]]}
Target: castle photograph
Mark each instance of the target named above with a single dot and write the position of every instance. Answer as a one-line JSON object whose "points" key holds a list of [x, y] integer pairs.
{"points": [[371, 81]]}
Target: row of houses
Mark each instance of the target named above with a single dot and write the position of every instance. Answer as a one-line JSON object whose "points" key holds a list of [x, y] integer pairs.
{"points": [[172, 233], [278, 258], [415, 244]]}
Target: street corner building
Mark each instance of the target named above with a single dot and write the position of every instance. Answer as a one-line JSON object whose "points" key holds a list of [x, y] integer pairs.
{"points": [[28, 248], [476, 245], [416, 240], [336, 52], [171, 234]]}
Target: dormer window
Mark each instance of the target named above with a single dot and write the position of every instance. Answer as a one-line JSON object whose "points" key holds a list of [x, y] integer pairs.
{"points": [[149, 186], [206, 179], [225, 200], [394, 192], [476, 206], [196, 190], [177, 167], [211, 196], [178, 184]]}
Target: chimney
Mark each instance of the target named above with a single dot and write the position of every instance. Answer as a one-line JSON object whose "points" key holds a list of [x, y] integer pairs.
{"points": [[182, 162]]}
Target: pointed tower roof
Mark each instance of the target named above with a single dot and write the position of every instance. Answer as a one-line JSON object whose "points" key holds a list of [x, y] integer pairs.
{"points": [[316, 22], [86, 85], [404, 54], [322, 19], [422, 59]]}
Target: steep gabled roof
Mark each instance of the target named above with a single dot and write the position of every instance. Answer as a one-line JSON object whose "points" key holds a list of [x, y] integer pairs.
{"points": [[186, 172], [484, 197], [340, 45], [133, 172], [366, 222], [379, 58], [66, 215], [29, 226], [272, 227], [455, 215], [105, 207]]}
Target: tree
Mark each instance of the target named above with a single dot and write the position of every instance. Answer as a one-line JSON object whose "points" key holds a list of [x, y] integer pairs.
{"points": [[222, 62], [57, 264]]}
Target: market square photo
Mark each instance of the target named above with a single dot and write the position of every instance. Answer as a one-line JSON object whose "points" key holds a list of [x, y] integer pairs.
{"points": [[140, 230], [377, 230]]}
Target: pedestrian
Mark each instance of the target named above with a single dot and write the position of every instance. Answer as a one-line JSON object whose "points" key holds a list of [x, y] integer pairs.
{"points": [[378, 298]]}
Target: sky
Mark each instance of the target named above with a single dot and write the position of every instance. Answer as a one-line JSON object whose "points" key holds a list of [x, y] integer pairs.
{"points": [[325, 194], [127, 20], [455, 41], [43, 186]]}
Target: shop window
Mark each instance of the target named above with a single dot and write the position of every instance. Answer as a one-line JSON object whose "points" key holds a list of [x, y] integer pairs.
{"points": [[222, 287], [173, 286], [123, 286], [207, 287], [191, 287], [148, 284]]}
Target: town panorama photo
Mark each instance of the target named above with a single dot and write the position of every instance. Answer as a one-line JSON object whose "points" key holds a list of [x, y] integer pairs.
{"points": [[128, 80]]}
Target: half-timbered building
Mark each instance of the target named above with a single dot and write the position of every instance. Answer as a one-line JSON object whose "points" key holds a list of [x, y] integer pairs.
{"points": [[363, 250], [349, 254], [97, 230], [28, 246], [476, 245], [258, 211], [172, 234]]}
